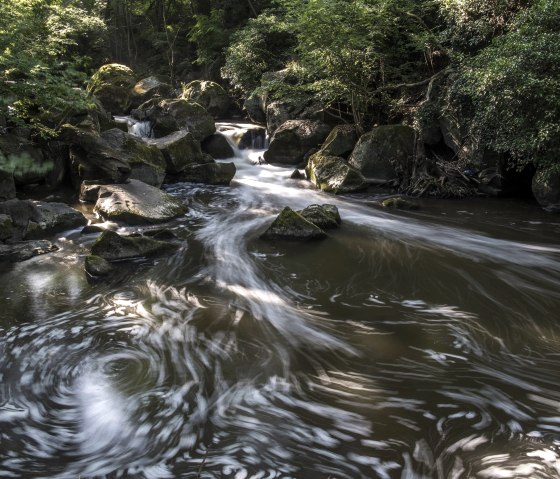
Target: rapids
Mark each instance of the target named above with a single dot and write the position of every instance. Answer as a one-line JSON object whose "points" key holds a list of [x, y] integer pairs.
{"points": [[407, 345]]}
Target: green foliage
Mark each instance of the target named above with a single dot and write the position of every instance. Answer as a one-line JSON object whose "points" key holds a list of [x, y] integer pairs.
{"points": [[38, 69], [210, 35], [514, 85], [264, 44]]}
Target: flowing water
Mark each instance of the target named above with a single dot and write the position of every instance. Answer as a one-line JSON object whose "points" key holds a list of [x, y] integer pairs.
{"points": [[406, 345]]}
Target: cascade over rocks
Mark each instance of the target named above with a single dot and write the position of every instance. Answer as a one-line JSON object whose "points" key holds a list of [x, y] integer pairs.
{"points": [[112, 85], [385, 153], [290, 225], [293, 140], [333, 174], [113, 247], [209, 95], [132, 203]]}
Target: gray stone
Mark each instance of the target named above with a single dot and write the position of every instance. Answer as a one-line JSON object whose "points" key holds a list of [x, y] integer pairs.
{"points": [[341, 141], [209, 173], [51, 218], [7, 185], [209, 95], [97, 266], [179, 150], [6, 227], [333, 174], [293, 140], [152, 87], [322, 216], [218, 147], [25, 250], [399, 203], [136, 203], [113, 247], [384, 154], [112, 85], [290, 225]]}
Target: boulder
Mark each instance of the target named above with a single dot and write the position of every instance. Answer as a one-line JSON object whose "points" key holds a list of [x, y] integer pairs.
{"points": [[293, 140], [146, 162], [322, 216], [136, 203], [7, 185], [253, 108], [113, 247], [24, 159], [290, 225], [210, 95], [153, 87], [297, 175], [399, 203], [97, 266], [341, 141], [179, 150], [334, 174], [385, 153], [209, 173], [112, 85], [546, 188], [92, 158], [51, 218], [173, 115], [25, 250], [218, 147], [22, 213], [6, 227]]}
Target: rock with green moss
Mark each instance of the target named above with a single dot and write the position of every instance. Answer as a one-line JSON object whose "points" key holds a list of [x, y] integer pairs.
{"points": [[341, 141], [210, 173], [173, 115], [210, 95], [384, 154], [112, 85], [290, 225], [333, 174], [179, 150], [399, 203], [113, 247], [324, 216], [546, 188], [135, 202], [97, 266], [146, 162]]}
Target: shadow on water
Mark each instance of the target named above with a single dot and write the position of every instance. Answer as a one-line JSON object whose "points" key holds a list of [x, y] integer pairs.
{"points": [[406, 345]]}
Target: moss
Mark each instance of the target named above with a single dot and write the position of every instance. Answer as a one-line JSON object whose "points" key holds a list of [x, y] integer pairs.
{"points": [[97, 266], [399, 203], [292, 226]]}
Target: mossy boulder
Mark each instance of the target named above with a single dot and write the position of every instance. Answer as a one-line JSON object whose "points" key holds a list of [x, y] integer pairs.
{"points": [[399, 203], [136, 203], [323, 216], [152, 87], [384, 154], [174, 115], [293, 140], [179, 150], [290, 225], [546, 188], [341, 141], [97, 266], [210, 95], [112, 85], [211, 173], [147, 163], [333, 174], [113, 247]]}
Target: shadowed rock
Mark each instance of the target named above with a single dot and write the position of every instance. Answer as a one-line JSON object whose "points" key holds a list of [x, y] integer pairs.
{"points": [[112, 246], [97, 266], [290, 225]]}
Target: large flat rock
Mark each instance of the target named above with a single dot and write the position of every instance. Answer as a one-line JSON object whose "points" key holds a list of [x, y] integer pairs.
{"points": [[134, 202]]}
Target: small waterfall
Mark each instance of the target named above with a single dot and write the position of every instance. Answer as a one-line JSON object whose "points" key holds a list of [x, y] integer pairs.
{"points": [[141, 128]]}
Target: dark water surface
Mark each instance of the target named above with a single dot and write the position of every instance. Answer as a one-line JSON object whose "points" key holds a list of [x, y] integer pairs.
{"points": [[406, 345]]}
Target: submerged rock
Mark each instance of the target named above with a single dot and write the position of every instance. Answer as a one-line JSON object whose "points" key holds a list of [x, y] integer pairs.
{"points": [[97, 266], [290, 225], [135, 203], [333, 174], [399, 203], [322, 216], [25, 250], [112, 246]]}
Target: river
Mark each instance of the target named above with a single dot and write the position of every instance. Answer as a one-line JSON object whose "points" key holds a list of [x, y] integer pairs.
{"points": [[408, 345]]}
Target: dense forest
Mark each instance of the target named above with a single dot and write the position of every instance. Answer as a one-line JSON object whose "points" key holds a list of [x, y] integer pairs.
{"points": [[485, 73]]}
